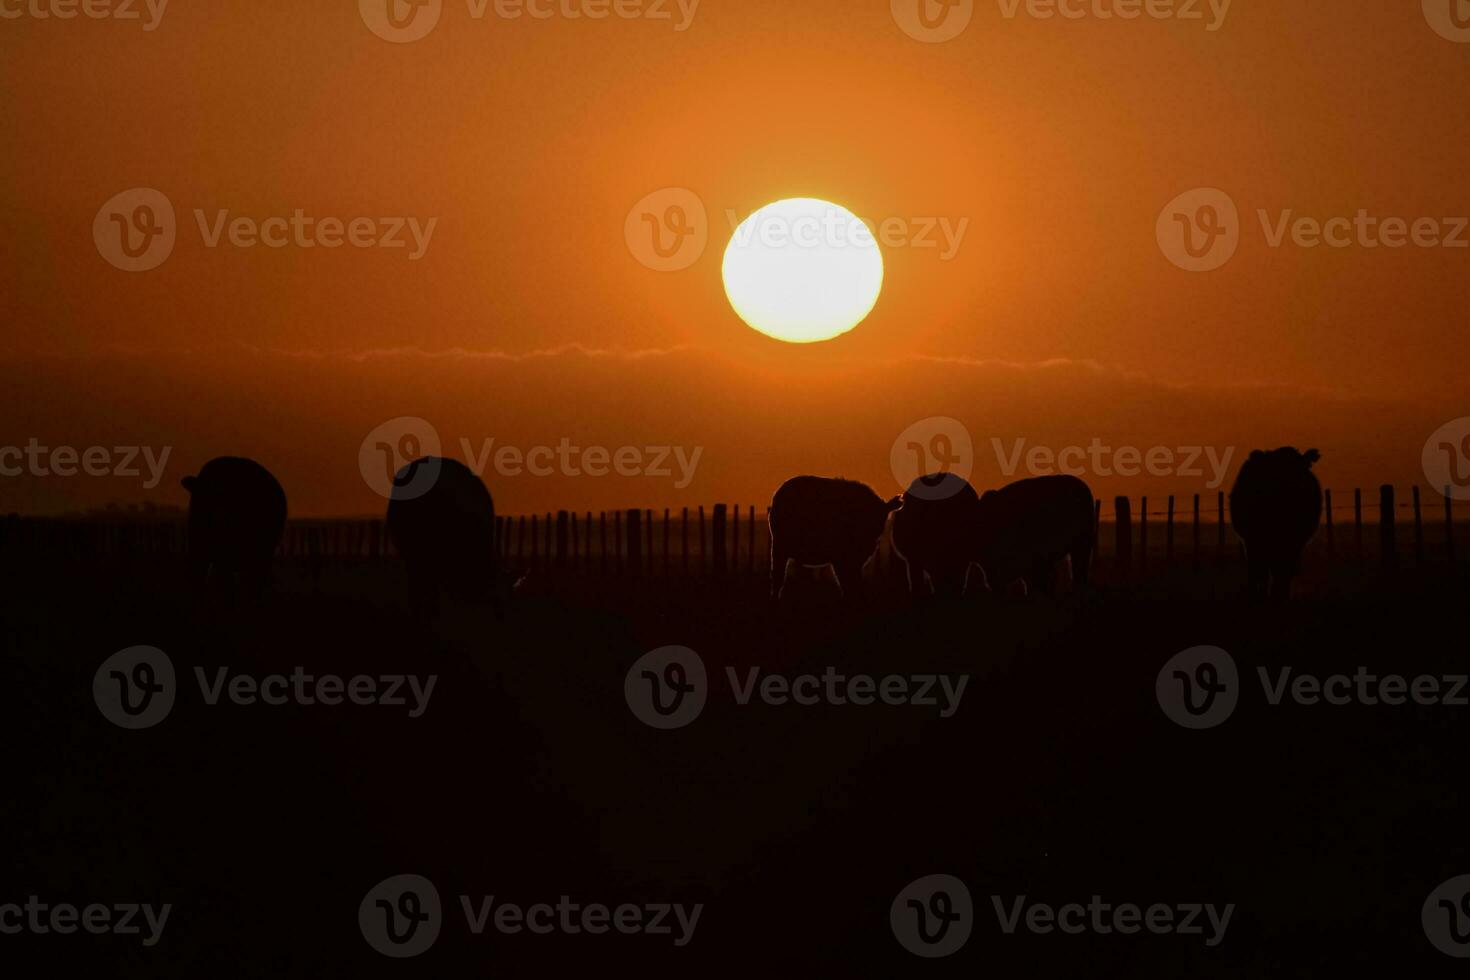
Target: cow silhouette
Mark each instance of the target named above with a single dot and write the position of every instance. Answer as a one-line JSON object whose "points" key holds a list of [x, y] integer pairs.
{"points": [[935, 533], [821, 521], [1025, 528], [237, 511], [1276, 508], [441, 520]]}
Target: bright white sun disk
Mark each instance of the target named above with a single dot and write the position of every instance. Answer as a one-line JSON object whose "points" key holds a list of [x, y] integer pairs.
{"points": [[803, 270]]}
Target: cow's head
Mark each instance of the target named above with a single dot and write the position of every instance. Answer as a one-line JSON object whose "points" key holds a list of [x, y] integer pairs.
{"points": [[879, 515], [1288, 455]]}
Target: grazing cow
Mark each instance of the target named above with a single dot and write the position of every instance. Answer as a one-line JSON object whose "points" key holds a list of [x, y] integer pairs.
{"points": [[1025, 528], [819, 521], [237, 512], [1276, 507], [934, 532], [442, 521]]}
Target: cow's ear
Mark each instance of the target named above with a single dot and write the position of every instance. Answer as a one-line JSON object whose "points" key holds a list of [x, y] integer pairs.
{"points": [[893, 504], [187, 483], [1311, 456]]}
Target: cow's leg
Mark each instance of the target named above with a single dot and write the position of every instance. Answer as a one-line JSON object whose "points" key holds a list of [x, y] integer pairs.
{"points": [[198, 573], [914, 575], [850, 578], [1081, 555], [779, 560], [1259, 571], [1283, 570], [255, 580], [423, 599], [950, 580], [1042, 578]]}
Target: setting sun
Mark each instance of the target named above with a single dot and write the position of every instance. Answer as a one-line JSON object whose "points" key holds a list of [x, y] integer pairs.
{"points": [[803, 270]]}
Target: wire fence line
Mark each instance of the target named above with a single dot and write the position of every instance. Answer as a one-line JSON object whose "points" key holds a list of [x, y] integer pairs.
{"points": [[725, 539]]}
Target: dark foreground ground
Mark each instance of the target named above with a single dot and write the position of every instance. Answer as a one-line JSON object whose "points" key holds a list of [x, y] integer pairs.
{"points": [[528, 778]]}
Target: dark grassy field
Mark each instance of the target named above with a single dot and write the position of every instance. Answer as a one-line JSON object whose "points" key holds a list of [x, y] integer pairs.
{"points": [[528, 777]]}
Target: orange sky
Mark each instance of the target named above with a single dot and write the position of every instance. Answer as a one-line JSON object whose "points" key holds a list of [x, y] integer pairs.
{"points": [[1057, 320]]}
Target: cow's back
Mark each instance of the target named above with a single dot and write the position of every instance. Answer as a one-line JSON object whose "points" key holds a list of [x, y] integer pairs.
{"points": [[1032, 522], [1276, 503], [937, 520], [237, 509], [441, 520], [814, 519]]}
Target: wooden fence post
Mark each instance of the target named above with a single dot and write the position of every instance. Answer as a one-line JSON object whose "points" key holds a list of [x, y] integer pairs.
{"points": [[1418, 530], [1195, 561], [1142, 535], [751, 549], [1123, 535], [1220, 530], [563, 537], [648, 538], [1358, 520], [1388, 542], [1169, 535], [735, 538], [717, 539], [635, 541], [666, 542], [684, 539], [1331, 526], [703, 551], [1449, 528]]}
